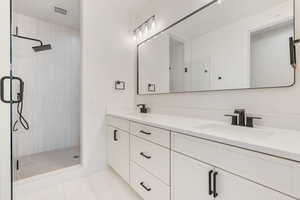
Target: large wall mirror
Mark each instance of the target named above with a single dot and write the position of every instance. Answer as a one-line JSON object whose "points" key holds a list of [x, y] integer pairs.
{"points": [[225, 45]]}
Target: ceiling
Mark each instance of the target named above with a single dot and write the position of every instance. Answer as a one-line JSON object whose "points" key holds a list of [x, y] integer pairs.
{"points": [[220, 15], [44, 10]]}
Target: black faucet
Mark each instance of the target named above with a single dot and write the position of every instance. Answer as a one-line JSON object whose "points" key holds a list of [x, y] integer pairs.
{"points": [[143, 108], [250, 121], [242, 114], [240, 119]]}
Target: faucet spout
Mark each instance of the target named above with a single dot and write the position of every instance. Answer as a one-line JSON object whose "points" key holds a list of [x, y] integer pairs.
{"points": [[241, 113]]}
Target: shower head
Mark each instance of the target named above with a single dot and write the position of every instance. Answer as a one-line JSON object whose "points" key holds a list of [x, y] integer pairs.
{"points": [[39, 48], [42, 47]]}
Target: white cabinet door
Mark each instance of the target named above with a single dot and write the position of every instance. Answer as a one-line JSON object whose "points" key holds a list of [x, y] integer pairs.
{"points": [[118, 151], [231, 187], [190, 178]]}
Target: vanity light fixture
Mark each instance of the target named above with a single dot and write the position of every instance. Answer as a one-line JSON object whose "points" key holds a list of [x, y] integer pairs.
{"points": [[153, 23], [140, 34], [144, 28]]}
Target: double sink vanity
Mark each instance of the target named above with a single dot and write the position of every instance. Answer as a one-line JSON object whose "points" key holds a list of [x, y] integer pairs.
{"points": [[223, 45], [169, 157]]}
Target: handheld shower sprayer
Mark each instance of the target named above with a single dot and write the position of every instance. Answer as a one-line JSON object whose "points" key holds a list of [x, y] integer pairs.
{"points": [[21, 119]]}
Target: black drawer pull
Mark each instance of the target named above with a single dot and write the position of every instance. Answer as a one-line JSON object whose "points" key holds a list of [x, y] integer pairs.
{"points": [[145, 133], [146, 188], [115, 135], [210, 192], [215, 185], [145, 156]]}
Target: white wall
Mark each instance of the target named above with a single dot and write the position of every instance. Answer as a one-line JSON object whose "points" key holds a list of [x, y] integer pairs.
{"points": [[52, 86], [278, 107], [107, 55], [4, 108]]}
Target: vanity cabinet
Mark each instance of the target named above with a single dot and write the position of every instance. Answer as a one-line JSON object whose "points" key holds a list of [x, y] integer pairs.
{"points": [[147, 185], [152, 134], [230, 187], [118, 151], [192, 179], [163, 165], [272, 172], [152, 157], [150, 161]]}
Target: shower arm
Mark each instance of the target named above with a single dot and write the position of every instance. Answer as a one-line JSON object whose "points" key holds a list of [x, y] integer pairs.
{"points": [[27, 38]]}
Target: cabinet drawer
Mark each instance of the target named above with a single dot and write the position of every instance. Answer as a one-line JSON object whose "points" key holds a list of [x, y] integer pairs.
{"points": [[119, 123], [154, 158], [156, 135], [147, 186], [118, 151], [280, 174]]}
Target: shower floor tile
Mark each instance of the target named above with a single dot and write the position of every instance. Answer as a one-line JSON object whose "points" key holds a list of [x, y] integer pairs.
{"points": [[45, 162]]}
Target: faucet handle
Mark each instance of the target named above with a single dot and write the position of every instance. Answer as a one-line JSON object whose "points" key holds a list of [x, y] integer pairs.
{"points": [[238, 111], [143, 108], [234, 119], [141, 105], [249, 121]]}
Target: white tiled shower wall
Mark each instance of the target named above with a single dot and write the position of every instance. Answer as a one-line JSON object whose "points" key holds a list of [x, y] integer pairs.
{"points": [[52, 86], [278, 107]]}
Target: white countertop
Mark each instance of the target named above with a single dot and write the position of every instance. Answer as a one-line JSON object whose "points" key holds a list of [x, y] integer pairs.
{"points": [[277, 142]]}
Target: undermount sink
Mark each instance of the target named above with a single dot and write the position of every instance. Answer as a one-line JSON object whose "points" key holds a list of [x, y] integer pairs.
{"points": [[236, 130]]}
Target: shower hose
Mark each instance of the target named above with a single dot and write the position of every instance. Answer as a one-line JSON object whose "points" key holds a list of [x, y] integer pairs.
{"points": [[21, 119]]}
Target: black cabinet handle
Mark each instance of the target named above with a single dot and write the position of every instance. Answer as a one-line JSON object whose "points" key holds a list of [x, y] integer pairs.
{"points": [[210, 192], [146, 188], [145, 133], [115, 135], [145, 156], [215, 185]]}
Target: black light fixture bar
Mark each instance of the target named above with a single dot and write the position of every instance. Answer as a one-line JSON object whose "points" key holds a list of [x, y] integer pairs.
{"points": [[145, 22]]}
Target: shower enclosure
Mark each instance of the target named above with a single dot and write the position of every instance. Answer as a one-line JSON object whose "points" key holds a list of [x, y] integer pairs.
{"points": [[46, 87]]}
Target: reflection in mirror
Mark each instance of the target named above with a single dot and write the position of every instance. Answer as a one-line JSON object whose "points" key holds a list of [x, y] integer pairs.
{"points": [[221, 47]]}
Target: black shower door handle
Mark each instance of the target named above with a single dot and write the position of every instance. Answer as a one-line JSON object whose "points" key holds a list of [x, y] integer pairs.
{"points": [[2, 89], [293, 59]]}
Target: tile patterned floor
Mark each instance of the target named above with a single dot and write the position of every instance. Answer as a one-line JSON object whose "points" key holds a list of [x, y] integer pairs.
{"points": [[47, 161], [105, 185]]}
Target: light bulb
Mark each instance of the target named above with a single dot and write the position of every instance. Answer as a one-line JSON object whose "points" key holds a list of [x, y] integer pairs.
{"points": [[219, 1], [146, 29], [140, 34], [153, 24]]}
